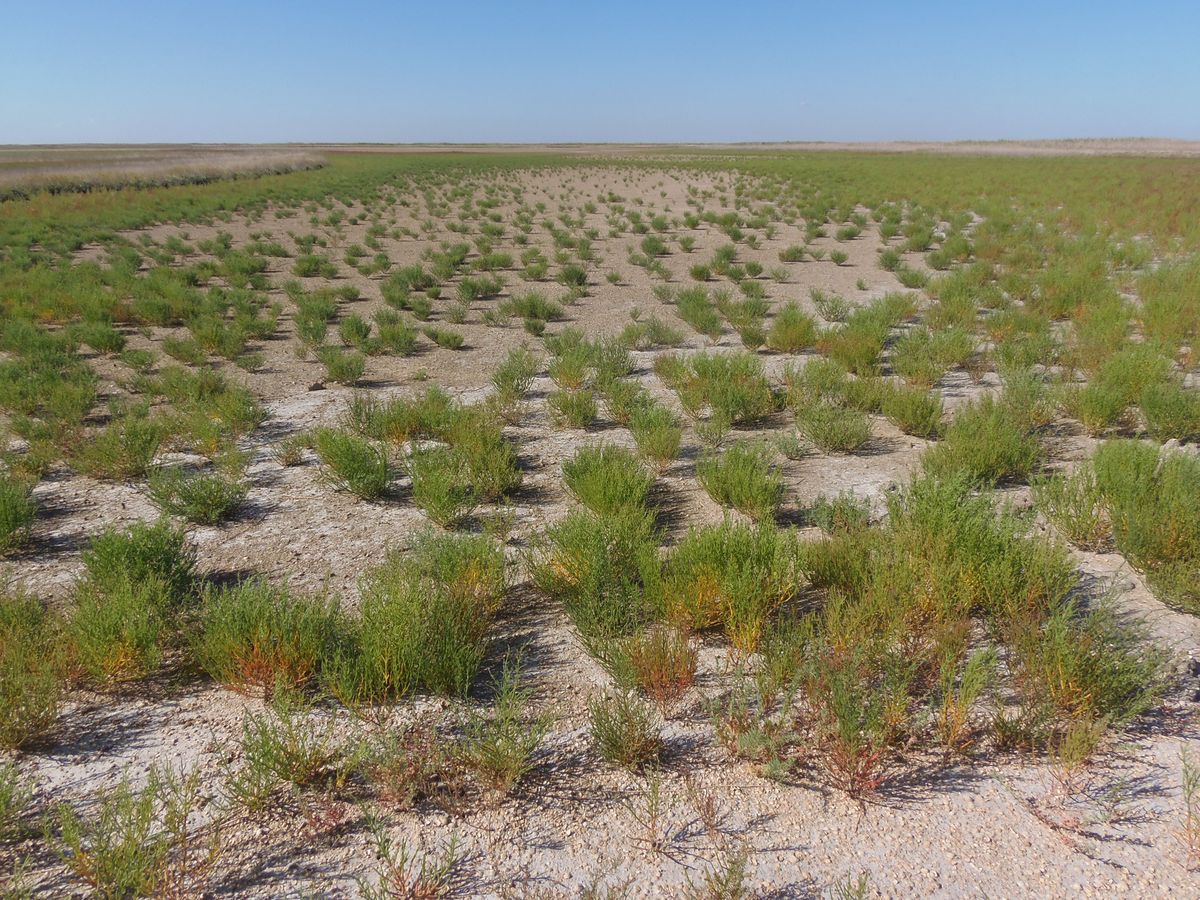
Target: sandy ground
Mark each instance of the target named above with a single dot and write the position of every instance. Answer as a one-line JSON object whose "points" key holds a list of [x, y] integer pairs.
{"points": [[992, 826]]}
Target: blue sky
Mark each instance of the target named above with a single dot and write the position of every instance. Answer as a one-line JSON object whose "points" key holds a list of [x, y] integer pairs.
{"points": [[581, 71]]}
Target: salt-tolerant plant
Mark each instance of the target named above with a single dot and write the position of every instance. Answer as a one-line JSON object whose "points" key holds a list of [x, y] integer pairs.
{"points": [[625, 730], [441, 484], [743, 478], [423, 621], [258, 638], [1074, 503], [17, 512], [145, 551], [987, 440], [832, 428], [792, 330], [498, 749], [572, 409], [607, 479], [205, 498], [352, 463], [657, 433], [31, 671]]}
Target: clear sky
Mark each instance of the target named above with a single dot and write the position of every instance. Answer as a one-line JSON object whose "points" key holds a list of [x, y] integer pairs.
{"points": [[348, 70]]}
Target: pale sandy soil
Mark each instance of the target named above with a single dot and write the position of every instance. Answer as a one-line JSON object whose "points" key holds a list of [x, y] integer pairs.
{"points": [[996, 826]]}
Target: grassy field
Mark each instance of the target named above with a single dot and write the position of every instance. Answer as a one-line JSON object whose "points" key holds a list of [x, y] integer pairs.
{"points": [[367, 523]]}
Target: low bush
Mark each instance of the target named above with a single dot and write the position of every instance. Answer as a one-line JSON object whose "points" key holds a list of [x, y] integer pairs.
{"points": [[1153, 502], [1172, 411], [743, 478], [986, 440], [625, 730], [657, 433], [205, 498], [572, 409], [792, 330], [31, 671], [913, 410], [257, 638], [1074, 503], [832, 428], [498, 749], [17, 512], [441, 484], [352, 463], [144, 551], [423, 621], [730, 576], [342, 367], [607, 479], [119, 633]]}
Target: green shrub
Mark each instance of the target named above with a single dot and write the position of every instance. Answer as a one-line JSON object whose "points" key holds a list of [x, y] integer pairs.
{"points": [[441, 484], [444, 337], [607, 479], [572, 409], [731, 385], [352, 463], [625, 730], [423, 622], [31, 672], [1172, 411], [257, 638], [1074, 503], [342, 367], [987, 441], [144, 551], [832, 428], [743, 478], [205, 498], [730, 575], [15, 800], [124, 449], [914, 411], [514, 376], [598, 568], [694, 307], [657, 433], [498, 749], [1153, 502], [123, 849], [117, 634], [792, 330], [17, 512]]}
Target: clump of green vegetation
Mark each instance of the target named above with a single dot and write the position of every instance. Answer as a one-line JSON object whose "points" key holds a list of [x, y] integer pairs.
{"points": [[441, 484], [352, 463], [123, 450], [792, 330], [1153, 502], [573, 409], [730, 576], [822, 418], [205, 498], [423, 621], [657, 433], [988, 441], [17, 512], [257, 638], [607, 479], [742, 477], [31, 671], [625, 730], [498, 749], [342, 367], [730, 387]]}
